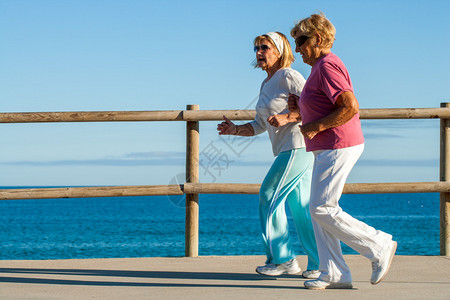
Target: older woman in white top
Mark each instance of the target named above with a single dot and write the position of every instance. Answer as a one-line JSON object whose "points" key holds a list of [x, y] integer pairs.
{"points": [[289, 178]]}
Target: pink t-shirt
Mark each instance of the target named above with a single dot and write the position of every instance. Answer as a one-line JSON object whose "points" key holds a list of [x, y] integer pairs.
{"points": [[329, 78]]}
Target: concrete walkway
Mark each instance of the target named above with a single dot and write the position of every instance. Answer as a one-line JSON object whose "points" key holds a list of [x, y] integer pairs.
{"points": [[211, 277]]}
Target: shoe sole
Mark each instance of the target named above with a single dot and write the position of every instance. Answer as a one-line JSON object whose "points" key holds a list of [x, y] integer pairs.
{"points": [[278, 274], [389, 265], [333, 287], [315, 276]]}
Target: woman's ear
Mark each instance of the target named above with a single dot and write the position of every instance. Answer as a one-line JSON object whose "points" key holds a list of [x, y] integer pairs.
{"points": [[318, 39]]}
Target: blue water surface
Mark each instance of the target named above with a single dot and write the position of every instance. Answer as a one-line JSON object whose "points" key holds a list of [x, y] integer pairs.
{"points": [[150, 226]]}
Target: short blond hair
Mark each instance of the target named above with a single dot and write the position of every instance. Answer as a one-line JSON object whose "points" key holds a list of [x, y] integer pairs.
{"points": [[316, 23], [287, 58]]}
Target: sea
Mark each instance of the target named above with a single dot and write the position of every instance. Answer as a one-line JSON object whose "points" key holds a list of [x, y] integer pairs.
{"points": [[154, 226]]}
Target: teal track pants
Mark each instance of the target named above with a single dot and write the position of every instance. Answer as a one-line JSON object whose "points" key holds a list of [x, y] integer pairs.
{"points": [[289, 179]]}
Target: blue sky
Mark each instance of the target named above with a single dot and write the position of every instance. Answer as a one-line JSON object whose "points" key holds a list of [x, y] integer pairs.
{"points": [[158, 55]]}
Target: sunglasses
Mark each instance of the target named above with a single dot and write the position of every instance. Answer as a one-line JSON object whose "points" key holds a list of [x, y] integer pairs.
{"points": [[301, 40], [262, 47]]}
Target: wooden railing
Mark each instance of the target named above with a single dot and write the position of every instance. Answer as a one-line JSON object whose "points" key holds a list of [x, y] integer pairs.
{"points": [[192, 188]]}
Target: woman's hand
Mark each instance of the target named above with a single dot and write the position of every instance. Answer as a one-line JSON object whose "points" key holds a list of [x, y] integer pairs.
{"points": [[227, 127], [283, 119], [278, 120], [309, 130], [293, 103]]}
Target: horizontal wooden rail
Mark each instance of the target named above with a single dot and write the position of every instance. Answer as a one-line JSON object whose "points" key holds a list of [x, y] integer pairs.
{"points": [[405, 113], [350, 188], [88, 192], [91, 116], [217, 115], [397, 187], [208, 188], [125, 116], [200, 115], [221, 188]]}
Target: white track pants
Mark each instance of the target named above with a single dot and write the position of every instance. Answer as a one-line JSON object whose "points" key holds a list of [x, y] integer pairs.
{"points": [[331, 223]]}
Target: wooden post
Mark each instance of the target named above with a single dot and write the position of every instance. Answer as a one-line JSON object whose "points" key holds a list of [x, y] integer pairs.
{"points": [[192, 176], [445, 176]]}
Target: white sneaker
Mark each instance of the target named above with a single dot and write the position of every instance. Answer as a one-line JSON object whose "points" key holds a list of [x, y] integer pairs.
{"points": [[318, 284], [311, 274], [290, 267], [381, 267]]}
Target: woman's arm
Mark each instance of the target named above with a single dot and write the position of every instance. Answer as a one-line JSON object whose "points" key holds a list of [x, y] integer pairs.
{"points": [[347, 108], [283, 119], [292, 116], [229, 128], [293, 103]]}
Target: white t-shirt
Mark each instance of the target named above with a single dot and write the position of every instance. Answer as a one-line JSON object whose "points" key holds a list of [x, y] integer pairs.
{"points": [[273, 99]]}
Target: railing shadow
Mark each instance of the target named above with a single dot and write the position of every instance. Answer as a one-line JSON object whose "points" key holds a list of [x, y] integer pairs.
{"points": [[205, 278]]}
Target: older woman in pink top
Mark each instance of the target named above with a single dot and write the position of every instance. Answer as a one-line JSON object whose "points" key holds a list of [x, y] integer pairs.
{"points": [[332, 131]]}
